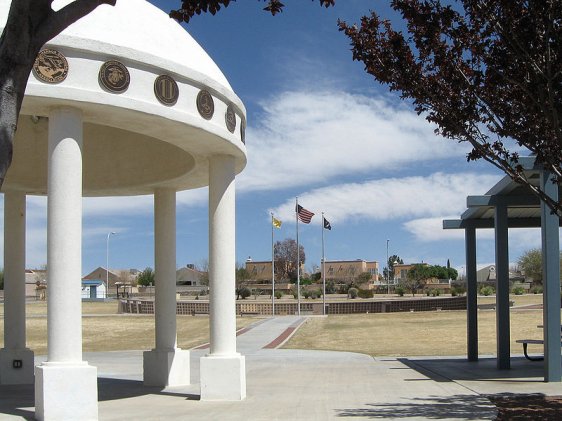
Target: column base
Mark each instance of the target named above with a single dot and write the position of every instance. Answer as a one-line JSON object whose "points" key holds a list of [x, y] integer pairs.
{"points": [[166, 367], [223, 378], [16, 366], [66, 391]]}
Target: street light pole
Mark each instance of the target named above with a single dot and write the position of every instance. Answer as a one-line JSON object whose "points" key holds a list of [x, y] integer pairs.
{"points": [[387, 270], [109, 234]]}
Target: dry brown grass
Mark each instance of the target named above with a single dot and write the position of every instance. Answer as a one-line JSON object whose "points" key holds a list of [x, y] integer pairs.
{"points": [[104, 330], [410, 334], [397, 334]]}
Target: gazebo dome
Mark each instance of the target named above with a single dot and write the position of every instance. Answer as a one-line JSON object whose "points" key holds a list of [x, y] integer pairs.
{"points": [[155, 106]]}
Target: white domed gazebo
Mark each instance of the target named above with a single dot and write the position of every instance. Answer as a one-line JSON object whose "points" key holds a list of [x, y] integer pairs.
{"points": [[121, 106]]}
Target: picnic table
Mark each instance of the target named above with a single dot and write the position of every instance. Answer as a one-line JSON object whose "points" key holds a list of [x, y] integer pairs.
{"points": [[527, 342]]}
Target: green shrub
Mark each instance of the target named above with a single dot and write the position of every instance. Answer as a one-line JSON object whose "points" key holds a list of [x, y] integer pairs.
{"points": [[400, 291], [278, 294], [330, 287], [536, 290], [487, 290], [352, 292], [245, 292], [306, 293], [316, 293], [365, 293], [518, 290]]}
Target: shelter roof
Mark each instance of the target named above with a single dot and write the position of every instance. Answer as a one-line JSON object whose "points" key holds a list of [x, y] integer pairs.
{"points": [[523, 207]]}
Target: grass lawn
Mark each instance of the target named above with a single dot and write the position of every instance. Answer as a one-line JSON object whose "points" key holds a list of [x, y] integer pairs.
{"points": [[104, 330], [377, 334], [421, 333]]}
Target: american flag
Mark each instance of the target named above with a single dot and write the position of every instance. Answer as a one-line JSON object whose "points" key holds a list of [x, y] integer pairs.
{"points": [[304, 215]]}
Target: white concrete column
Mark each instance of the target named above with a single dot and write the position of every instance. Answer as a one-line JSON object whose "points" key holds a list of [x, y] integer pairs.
{"points": [[166, 365], [223, 372], [65, 386], [16, 361]]}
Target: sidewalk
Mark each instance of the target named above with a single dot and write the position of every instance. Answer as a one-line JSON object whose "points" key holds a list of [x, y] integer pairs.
{"points": [[304, 385]]}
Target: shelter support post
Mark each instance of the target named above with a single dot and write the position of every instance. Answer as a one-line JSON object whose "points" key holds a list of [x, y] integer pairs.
{"points": [[502, 288], [166, 364], [551, 282], [222, 371], [65, 386], [471, 294], [16, 360]]}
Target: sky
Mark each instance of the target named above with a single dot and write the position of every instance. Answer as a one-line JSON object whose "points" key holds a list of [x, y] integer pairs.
{"points": [[318, 128]]}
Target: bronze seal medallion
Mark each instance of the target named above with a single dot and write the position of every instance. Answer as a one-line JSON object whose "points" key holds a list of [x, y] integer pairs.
{"points": [[50, 66], [114, 76], [243, 131], [230, 118], [205, 104], [166, 90]]}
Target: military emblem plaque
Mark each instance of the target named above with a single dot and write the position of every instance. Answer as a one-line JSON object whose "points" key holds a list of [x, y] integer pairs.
{"points": [[50, 66], [114, 76], [205, 104], [230, 119], [166, 90], [243, 131]]}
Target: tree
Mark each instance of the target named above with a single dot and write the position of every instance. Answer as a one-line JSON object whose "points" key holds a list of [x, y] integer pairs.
{"points": [[363, 278], [30, 24], [146, 277], [416, 278], [189, 8], [485, 72], [242, 277], [530, 263], [285, 255], [203, 269], [392, 261]]}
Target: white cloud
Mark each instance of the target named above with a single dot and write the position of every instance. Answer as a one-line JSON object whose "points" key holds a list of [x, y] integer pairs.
{"points": [[306, 137], [434, 196]]}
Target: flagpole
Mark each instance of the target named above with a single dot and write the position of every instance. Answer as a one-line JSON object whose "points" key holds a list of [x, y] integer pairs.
{"points": [[298, 259], [272, 269], [323, 270]]}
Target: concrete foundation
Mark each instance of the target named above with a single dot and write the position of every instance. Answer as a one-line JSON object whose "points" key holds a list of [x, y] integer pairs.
{"points": [[16, 366], [223, 378], [66, 392], [166, 368]]}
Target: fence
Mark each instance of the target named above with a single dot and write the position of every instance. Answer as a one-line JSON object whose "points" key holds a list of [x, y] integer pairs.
{"points": [[193, 307]]}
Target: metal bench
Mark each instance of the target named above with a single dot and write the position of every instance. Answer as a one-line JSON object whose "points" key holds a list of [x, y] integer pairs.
{"points": [[526, 342]]}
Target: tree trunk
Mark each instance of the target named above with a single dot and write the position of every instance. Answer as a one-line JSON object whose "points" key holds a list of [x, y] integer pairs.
{"points": [[30, 24]]}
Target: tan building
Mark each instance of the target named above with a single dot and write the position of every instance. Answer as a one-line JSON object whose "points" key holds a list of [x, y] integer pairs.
{"points": [[345, 271], [125, 276]]}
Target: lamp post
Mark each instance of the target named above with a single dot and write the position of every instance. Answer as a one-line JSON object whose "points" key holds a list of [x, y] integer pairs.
{"points": [[387, 270], [109, 234]]}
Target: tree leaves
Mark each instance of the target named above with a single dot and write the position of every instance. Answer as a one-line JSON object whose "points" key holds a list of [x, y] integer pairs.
{"points": [[485, 72], [190, 8]]}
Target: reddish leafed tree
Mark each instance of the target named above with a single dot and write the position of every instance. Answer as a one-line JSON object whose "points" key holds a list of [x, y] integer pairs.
{"points": [[485, 72], [190, 8], [30, 24]]}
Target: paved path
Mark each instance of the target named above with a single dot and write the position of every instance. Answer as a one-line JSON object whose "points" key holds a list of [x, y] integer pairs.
{"points": [[301, 385]]}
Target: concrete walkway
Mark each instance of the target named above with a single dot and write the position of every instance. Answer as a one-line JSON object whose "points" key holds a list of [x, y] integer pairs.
{"points": [[305, 385]]}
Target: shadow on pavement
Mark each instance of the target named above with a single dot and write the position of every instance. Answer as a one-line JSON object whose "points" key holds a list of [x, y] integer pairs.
{"points": [[449, 369], [467, 407]]}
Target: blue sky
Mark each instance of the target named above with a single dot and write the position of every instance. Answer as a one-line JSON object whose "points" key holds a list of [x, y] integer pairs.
{"points": [[318, 128]]}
